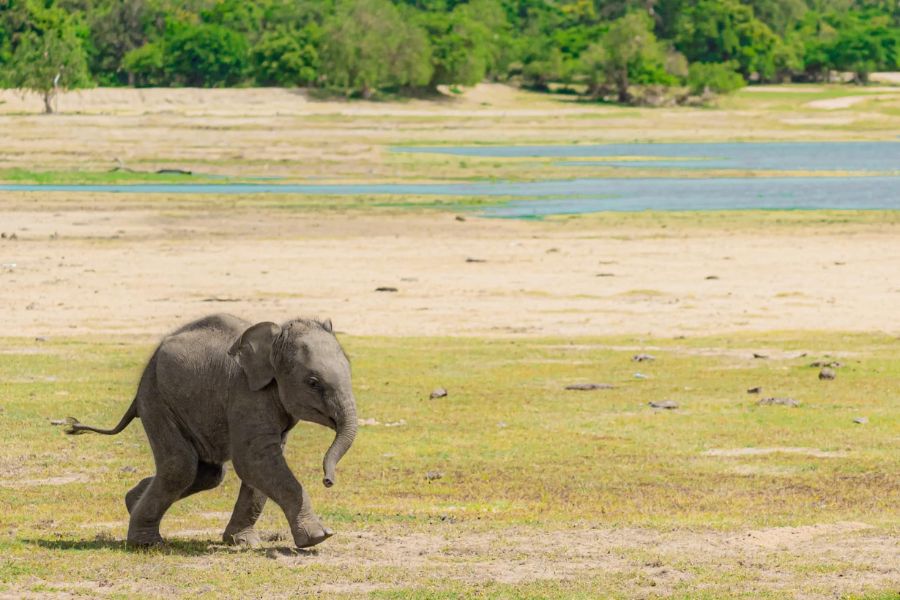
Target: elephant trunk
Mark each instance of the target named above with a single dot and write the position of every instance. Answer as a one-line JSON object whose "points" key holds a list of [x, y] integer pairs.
{"points": [[343, 439]]}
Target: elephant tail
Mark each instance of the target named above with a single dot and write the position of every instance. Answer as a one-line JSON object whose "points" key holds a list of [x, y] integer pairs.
{"points": [[73, 427]]}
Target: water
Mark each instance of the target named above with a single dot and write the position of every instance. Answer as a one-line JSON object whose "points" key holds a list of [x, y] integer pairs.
{"points": [[770, 156], [538, 198]]}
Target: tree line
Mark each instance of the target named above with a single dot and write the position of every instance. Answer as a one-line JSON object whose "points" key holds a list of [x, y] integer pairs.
{"points": [[599, 48]]}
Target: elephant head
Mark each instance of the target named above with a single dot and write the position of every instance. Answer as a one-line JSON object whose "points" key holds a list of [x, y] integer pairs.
{"points": [[312, 373]]}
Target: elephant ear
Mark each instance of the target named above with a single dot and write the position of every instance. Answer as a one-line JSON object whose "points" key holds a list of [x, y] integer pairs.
{"points": [[253, 352]]}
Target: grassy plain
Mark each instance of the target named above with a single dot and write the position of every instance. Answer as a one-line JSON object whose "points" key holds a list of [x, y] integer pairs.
{"points": [[541, 491], [511, 486]]}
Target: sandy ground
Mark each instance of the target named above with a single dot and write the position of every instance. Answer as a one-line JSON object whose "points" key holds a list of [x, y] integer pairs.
{"points": [[817, 561], [146, 271]]}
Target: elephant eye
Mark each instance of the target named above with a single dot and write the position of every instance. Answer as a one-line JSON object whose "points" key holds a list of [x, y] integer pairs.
{"points": [[314, 383]]}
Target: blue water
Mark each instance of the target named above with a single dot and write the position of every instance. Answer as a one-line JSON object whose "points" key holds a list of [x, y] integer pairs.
{"points": [[777, 156], [537, 198], [580, 195]]}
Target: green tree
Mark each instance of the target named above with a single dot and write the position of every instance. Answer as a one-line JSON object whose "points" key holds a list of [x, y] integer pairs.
{"points": [[717, 31], [629, 53], [145, 66], [368, 45], [49, 62], [115, 30], [288, 57], [460, 51], [205, 55], [716, 78]]}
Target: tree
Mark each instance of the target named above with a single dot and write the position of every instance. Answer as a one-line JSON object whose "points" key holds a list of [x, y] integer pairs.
{"points": [[288, 57], [629, 53], [716, 78], [717, 31], [367, 45], [205, 55], [460, 51], [48, 63], [115, 30]]}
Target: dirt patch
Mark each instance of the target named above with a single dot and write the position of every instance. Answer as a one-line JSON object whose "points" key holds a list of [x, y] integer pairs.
{"points": [[638, 558], [163, 276], [814, 452], [844, 101], [58, 480]]}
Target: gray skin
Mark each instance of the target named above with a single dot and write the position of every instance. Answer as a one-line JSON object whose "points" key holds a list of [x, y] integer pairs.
{"points": [[221, 389]]}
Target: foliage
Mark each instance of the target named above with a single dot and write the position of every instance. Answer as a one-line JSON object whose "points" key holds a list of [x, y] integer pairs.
{"points": [[628, 53], [288, 57], [718, 78], [49, 56], [366, 46]]}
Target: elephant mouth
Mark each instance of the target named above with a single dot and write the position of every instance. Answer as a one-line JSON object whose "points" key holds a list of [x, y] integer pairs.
{"points": [[322, 419]]}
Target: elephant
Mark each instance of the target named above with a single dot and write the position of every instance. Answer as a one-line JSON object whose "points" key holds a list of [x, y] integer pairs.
{"points": [[220, 389]]}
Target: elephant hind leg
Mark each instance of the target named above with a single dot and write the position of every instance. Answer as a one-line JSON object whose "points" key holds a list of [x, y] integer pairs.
{"points": [[177, 466], [135, 493], [208, 476]]}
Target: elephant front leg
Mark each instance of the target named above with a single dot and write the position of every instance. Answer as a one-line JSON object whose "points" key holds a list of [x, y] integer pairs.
{"points": [[263, 467], [241, 529]]}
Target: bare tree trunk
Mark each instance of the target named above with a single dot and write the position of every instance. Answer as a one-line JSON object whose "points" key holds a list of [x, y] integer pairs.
{"points": [[48, 101]]}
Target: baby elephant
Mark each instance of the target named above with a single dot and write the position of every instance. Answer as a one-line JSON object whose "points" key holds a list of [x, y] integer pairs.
{"points": [[221, 389]]}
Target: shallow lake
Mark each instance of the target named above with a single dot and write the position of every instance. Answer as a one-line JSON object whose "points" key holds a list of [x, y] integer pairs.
{"points": [[537, 198], [770, 156]]}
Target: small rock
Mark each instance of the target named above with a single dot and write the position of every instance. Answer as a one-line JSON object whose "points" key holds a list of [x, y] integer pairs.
{"points": [[58, 422], [832, 364], [460, 218], [861, 420], [54, 236], [640, 376], [779, 402], [827, 374], [643, 357], [758, 355], [31, 306], [552, 250], [432, 475], [128, 469], [665, 404], [438, 393], [368, 422], [386, 289], [754, 390], [399, 423], [475, 260], [606, 274], [585, 387], [712, 277], [13, 236], [501, 424], [3, 236]]}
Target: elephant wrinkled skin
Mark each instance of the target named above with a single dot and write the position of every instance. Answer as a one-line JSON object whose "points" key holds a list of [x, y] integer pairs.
{"points": [[221, 389]]}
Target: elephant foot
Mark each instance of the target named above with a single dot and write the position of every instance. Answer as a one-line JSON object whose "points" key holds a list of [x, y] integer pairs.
{"points": [[143, 536], [310, 532], [144, 542], [246, 537]]}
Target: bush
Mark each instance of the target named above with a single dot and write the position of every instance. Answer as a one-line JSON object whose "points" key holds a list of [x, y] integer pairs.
{"points": [[205, 55], [718, 78]]}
